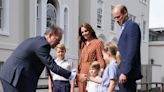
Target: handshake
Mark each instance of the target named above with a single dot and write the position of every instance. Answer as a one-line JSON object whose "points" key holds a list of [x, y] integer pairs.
{"points": [[79, 77]]}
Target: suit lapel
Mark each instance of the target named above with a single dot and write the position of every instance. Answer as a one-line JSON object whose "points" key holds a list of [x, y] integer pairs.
{"points": [[124, 30]]}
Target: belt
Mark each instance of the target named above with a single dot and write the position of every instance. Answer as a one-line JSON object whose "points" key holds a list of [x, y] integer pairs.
{"points": [[62, 81]]}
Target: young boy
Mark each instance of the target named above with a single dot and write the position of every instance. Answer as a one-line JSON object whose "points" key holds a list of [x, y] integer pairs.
{"points": [[61, 84]]}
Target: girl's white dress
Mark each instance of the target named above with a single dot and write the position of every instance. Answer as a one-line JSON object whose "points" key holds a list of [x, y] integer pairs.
{"points": [[92, 86]]}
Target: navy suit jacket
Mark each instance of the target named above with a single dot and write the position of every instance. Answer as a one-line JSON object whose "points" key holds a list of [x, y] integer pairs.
{"points": [[129, 47], [28, 61]]}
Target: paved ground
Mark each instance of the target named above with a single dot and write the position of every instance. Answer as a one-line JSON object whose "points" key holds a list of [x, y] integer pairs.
{"points": [[1, 89], [47, 90]]}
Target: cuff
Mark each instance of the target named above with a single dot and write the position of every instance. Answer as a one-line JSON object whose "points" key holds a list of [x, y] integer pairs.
{"points": [[73, 74]]}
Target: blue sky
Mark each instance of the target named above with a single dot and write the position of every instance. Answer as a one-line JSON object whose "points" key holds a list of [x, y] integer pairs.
{"points": [[156, 17]]}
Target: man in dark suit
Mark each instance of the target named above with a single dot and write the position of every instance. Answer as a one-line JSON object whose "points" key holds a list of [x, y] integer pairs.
{"points": [[21, 71], [129, 47]]}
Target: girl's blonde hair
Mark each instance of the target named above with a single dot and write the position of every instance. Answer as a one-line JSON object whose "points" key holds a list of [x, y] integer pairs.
{"points": [[112, 47], [95, 65], [61, 46]]}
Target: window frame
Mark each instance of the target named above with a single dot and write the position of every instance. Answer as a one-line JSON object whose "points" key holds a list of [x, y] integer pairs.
{"points": [[144, 30], [4, 30], [1, 63], [132, 17], [100, 14], [112, 24], [66, 26], [145, 2]]}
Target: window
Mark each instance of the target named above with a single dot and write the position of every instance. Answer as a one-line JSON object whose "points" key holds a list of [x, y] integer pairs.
{"points": [[144, 30], [132, 17], [4, 17], [65, 26], [112, 20], [38, 32], [99, 13], [51, 15], [152, 38], [45, 15], [99, 17], [145, 2], [1, 63], [1, 13]]}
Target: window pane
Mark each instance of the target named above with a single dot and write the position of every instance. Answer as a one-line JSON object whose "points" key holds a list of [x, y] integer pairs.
{"points": [[0, 3], [1, 12], [99, 13], [112, 19], [1, 63], [99, 17], [0, 17], [51, 15]]}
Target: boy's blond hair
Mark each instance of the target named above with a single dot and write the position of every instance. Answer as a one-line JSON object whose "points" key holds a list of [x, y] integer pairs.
{"points": [[61, 46]]}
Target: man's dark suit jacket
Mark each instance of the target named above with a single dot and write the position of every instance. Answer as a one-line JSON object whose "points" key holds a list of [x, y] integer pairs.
{"points": [[129, 47], [28, 61]]}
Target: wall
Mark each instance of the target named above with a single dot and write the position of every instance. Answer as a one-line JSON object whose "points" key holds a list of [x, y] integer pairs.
{"points": [[16, 29], [156, 52]]}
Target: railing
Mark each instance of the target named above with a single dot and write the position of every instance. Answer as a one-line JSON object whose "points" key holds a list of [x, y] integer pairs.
{"points": [[151, 87]]}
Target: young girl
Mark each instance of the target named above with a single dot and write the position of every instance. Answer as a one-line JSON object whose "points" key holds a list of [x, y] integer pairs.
{"points": [[112, 57], [94, 71], [61, 84]]}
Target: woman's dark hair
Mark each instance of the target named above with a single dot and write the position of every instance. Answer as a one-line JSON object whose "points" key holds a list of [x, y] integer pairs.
{"points": [[82, 40]]}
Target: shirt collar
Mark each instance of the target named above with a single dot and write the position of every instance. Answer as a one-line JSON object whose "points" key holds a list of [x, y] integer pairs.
{"points": [[59, 60], [123, 25]]}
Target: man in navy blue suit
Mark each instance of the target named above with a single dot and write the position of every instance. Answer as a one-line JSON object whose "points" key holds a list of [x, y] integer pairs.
{"points": [[129, 47], [21, 71]]}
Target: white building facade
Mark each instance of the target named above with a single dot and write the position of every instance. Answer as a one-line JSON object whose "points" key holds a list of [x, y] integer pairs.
{"points": [[156, 48], [22, 19]]}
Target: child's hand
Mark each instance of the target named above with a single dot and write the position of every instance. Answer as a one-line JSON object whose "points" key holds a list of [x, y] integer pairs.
{"points": [[90, 78], [101, 72]]}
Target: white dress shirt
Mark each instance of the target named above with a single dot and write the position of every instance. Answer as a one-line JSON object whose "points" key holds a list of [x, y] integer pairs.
{"points": [[68, 65]]}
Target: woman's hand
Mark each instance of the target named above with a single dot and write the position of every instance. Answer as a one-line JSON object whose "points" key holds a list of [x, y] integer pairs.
{"points": [[82, 77]]}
